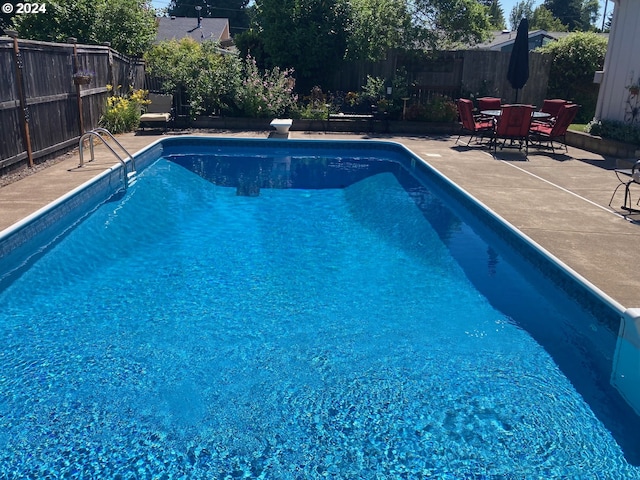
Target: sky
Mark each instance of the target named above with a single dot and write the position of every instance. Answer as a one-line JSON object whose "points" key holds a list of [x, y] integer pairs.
{"points": [[158, 4], [507, 6]]}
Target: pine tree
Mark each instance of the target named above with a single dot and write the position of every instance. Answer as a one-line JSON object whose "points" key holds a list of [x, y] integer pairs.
{"points": [[496, 15]]}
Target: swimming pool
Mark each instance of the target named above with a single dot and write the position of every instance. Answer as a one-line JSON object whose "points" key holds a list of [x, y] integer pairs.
{"points": [[291, 309]]}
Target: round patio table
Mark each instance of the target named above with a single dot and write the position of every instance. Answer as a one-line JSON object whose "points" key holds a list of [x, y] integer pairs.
{"points": [[497, 113]]}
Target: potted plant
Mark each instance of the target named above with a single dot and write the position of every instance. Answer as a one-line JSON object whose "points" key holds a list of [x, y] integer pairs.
{"points": [[82, 77]]}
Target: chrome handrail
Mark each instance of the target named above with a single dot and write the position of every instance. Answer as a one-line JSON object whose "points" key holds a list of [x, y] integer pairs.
{"points": [[97, 133], [104, 130]]}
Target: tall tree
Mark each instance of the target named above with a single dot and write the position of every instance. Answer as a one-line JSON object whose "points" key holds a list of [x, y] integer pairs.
{"points": [[607, 23], [495, 12], [375, 27], [6, 22], [308, 35], [235, 10], [523, 9], [569, 12], [496, 15], [543, 19], [445, 23], [314, 36], [590, 13], [128, 24]]}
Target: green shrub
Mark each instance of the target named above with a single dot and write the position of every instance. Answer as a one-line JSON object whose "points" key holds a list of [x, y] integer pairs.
{"points": [[122, 113], [210, 79], [615, 130], [415, 112], [575, 60], [220, 84], [373, 90], [438, 109], [265, 94], [312, 107]]}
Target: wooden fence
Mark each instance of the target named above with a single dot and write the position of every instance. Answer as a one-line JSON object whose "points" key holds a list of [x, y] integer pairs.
{"points": [[453, 73], [42, 109]]}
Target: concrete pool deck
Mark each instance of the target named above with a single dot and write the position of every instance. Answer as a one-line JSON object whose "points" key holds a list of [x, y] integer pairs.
{"points": [[559, 201]]}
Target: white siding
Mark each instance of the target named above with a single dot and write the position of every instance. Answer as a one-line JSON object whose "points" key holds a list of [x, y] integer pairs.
{"points": [[622, 62]]}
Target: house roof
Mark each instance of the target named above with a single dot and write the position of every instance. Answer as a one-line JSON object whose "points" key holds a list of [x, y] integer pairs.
{"points": [[537, 38], [215, 29]]}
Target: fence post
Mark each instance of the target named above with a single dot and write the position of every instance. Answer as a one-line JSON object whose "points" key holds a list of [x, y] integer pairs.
{"points": [[24, 110], [74, 41], [110, 80]]}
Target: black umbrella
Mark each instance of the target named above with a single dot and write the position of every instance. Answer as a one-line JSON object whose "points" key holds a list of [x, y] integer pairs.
{"points": [[518, 72]]}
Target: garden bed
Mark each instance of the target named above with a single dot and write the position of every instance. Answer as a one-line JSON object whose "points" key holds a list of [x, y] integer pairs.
{"points": [[602, 146]]}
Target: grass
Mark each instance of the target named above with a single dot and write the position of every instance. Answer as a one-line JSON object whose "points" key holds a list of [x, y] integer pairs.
{"points": [[577, 127]]}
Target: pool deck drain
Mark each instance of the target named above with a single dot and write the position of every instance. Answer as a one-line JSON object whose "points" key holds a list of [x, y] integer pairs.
{"points": [[559, 201]]}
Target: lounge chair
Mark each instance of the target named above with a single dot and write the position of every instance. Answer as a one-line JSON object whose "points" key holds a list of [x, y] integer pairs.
{"points": [[542, 132], [158, 112], [513, 124], [627, 177], [477, 127]]}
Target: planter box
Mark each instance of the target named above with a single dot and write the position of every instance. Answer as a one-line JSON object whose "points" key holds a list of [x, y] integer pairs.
{"points": [[232, 123], [356, 125], [601, 145], [243, 123], [309, 125]]}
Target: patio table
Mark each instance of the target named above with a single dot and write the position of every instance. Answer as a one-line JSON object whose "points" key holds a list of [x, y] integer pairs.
{"points": [[497, 113]]}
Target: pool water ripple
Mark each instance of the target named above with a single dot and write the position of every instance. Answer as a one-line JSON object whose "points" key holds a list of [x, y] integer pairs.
{"points": [[187, 331]]}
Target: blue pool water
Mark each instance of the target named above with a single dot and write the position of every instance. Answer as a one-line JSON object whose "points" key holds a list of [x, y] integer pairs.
{"points": [[319, 318]]}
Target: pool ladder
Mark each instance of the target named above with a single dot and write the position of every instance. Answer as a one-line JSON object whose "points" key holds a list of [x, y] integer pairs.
{"points": [[128, 178]]}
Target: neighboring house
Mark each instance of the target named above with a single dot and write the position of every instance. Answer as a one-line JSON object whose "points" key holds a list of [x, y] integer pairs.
{"points": [[503, 41], [200, 29], [619, 96]]}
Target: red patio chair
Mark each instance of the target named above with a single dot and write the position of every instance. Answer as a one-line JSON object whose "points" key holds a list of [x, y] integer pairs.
{"points": [[489, 103], [476, 127], [552, 107], [513, 124], [547, 133]]}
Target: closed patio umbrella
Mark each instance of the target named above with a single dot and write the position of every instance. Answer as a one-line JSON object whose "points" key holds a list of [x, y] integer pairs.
{"points": [[518, 72]]}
